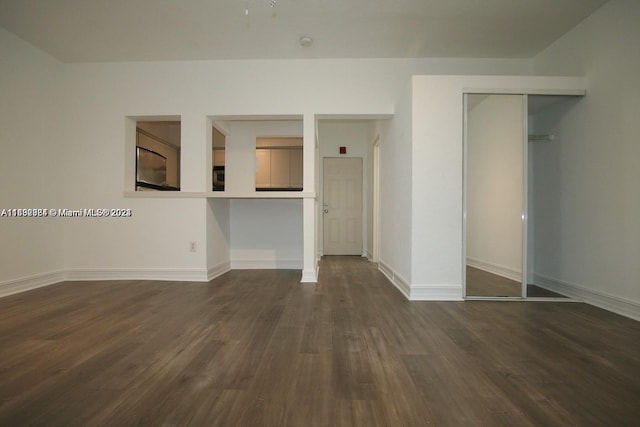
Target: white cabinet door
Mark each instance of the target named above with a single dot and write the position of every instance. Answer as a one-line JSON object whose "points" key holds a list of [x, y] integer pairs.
{"points": [[263, 168], [280, 168], [295, 168]]}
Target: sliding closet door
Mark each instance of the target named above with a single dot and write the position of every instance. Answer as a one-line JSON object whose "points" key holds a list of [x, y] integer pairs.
{"points": [[494, 185]]}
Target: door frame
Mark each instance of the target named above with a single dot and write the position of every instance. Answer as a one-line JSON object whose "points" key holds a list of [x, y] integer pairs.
{"points": [[465, 125], [375, 256], [525, 193]]}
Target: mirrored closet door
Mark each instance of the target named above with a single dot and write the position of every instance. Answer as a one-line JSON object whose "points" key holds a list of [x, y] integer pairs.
{"points": [[494, 195], [512, 196]]}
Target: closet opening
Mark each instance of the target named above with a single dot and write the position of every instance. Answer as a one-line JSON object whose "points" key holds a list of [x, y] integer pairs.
{"points": [[511, 171]]}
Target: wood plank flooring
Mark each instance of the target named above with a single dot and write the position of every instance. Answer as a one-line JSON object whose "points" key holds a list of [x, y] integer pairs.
{"points": [[481, 283], [257, 348]]}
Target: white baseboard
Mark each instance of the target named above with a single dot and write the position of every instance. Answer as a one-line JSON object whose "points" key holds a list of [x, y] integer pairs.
{"points": [[617, 305], [259, 264], [499, 270], [311, 275], [368, 255], [397, 280], [169, 274], [218, 270], [416, 292], [436, 293], [15, 286]]}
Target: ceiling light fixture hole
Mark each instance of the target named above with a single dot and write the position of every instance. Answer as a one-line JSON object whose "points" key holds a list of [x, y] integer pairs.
{"points": [[306, 41]]}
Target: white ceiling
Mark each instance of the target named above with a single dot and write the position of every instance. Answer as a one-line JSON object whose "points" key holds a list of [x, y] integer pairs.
{"points": [[134, 30]]}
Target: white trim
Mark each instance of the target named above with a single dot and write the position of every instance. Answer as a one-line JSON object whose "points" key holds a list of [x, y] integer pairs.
{"points": [[366, 254], [520, 299], [499, 270], [219, 125], [168, 274], [267, 264], [218, 270], [311, 275], [523, 91], [396, 279], [525, 196], [436, 293], [375, 220], [421, 292], [14, 286], [622, 306], [465, 185]]}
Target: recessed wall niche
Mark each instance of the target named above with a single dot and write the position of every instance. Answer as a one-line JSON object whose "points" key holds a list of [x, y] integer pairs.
{"points": [[157, 155]]}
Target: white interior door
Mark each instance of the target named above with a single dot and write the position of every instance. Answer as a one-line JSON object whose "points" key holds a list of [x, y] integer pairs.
{"points": [[342, 206]]}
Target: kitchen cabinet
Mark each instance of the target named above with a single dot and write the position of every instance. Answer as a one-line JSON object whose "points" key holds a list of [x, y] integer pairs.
{"points": [[279, 168]]}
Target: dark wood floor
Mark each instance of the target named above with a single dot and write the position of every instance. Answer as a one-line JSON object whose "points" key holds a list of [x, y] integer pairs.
{"points": [[258, 348], [481, 283]]}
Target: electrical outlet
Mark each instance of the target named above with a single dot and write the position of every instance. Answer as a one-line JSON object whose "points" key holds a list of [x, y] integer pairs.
{"points": [[192, 246]]}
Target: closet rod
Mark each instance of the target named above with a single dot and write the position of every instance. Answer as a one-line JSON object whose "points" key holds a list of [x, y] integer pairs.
{"points": [[543, 137]]}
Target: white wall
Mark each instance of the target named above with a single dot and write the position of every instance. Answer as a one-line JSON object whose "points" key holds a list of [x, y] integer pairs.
{"points": [[494, 185], [597, 171], [32, 164], [436, 212], [395, 193], [218, 237], [531, 205], [372, 138], [266, 234], [263, 233]]}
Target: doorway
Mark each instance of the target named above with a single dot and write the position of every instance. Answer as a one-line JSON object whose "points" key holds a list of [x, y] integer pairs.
{"points": [[342, 206]]}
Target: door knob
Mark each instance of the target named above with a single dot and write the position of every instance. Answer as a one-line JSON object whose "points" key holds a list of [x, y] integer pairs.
{"points": [[326, 211]]}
